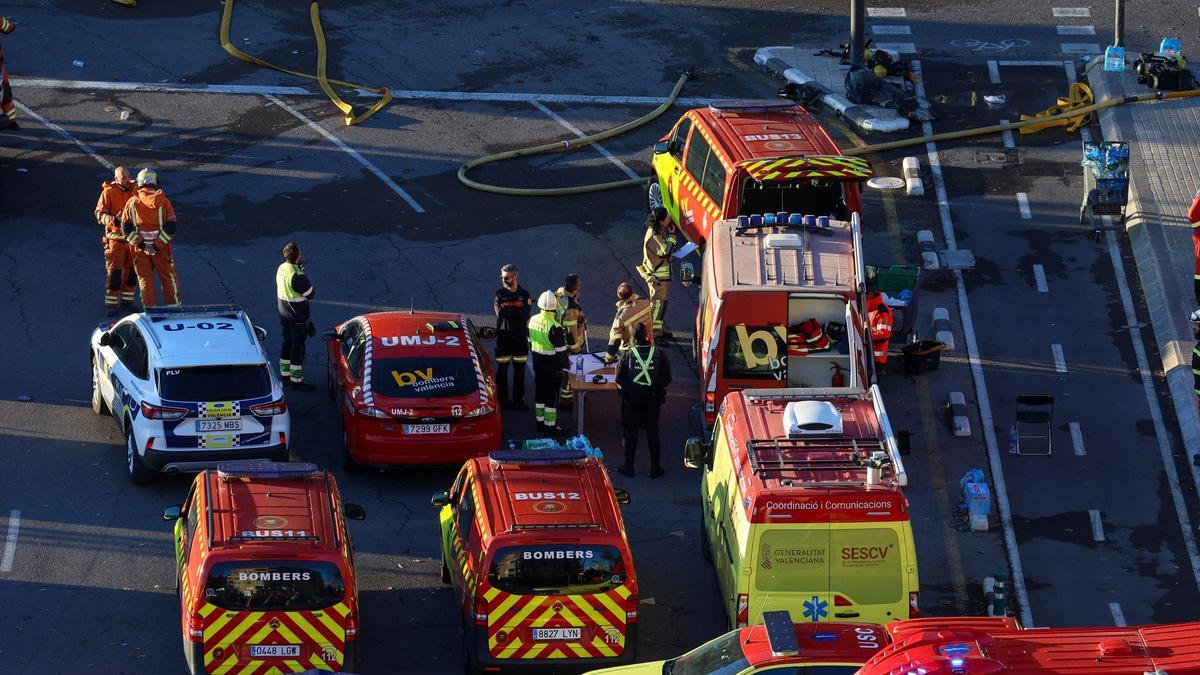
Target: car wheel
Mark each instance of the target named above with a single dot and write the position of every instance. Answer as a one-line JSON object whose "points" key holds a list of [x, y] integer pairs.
{"points": [[654, 194], [705, 548], [348, 460], [138, 472], [98, 405], [469, 667]]}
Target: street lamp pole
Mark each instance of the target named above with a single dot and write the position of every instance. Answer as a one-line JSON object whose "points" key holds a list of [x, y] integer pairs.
{"points": [[858, 20]]}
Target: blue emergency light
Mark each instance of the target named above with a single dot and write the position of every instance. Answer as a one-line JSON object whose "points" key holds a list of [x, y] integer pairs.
{"points": [[250, 468], [781, 633], [541, 457]]}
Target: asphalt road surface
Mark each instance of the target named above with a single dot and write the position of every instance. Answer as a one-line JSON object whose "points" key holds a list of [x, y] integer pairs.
{"points": [[86, 572]]}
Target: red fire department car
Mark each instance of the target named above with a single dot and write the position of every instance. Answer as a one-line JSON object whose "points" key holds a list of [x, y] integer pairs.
{"points": [[965, 645], [534, 544], [265, 570], [412, 388]]}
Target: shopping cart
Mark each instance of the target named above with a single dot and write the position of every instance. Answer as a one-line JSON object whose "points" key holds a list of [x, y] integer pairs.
{"points": [[1105, 184]]}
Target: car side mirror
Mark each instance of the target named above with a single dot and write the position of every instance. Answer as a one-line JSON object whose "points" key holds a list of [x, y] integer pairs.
{"points": [[662, 147], [105, 339], [354, 511], [440, 499], [485, 332], [260, 333], [687, 274], [622, 496], [330, 335], [172, 512], [695, 453]]}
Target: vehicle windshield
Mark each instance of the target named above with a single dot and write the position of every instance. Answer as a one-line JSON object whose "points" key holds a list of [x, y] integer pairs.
{"points": [[722, 656], [557, 569], [255, 587], [423, 377], [214, 383]]}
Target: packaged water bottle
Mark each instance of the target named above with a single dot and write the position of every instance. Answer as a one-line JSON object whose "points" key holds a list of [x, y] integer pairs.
{"points": [[1114, 59]]}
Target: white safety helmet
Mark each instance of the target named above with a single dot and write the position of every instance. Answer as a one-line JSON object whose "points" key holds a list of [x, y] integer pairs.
{"points": [[548, 301], [1196, 316]]}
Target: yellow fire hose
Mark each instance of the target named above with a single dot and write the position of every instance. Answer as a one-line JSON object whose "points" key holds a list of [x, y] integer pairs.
{"points": [[321, 77], [1064, 118], [565, 146]]}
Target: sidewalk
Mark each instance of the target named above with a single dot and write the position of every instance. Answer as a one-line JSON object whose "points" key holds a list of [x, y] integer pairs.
{"points": [[1164, 139]]}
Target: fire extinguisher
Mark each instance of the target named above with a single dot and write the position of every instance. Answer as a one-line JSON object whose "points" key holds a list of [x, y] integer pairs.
{"points": [[839, 377]]}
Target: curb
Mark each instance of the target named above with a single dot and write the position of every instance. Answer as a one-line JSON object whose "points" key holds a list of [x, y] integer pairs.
{"points": [[1176, 363], [766, 59]]}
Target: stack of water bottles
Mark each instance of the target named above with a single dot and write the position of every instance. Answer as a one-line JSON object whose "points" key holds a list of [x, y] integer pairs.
{"points": [[574, 443]]}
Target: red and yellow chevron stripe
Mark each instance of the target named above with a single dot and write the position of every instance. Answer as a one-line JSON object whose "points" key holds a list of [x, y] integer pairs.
{"points": [[600, 616], [228, 635], [815, 166]]}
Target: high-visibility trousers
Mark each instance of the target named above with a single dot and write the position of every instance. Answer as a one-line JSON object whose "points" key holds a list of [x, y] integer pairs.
{"points": [[120, 280], [161, 264]]}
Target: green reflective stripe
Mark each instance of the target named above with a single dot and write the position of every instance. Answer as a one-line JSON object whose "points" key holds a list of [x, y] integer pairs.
{"points": [[283, 281], [643, 377], [539, 333]]}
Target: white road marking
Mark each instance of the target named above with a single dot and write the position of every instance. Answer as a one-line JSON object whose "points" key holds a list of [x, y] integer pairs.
{"points": [[898, 47], [579, 134], [407, 94], [1076, 30], [387, 180], [1077, 439], [10, 541], [1023, 204], [1080, 48], [1117, 614], [65, 134], [994, 71], [1007, 137], [1097, 524], [889, 12], [1060, 362], [1039, 277], [1160, 427], [986, 419], [890, 30], [1060, 12]]}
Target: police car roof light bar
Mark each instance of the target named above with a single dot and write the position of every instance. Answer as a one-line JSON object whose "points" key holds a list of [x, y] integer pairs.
{"points": [[193, 311], [261, 469], [541, 457], [781, 633], [756, 105]]}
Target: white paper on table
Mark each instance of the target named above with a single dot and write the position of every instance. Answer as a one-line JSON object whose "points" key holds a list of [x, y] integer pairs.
{"points": [[591, 363], [684, 251]]}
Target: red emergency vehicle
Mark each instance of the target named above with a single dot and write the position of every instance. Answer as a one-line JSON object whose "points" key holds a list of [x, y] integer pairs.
{"points": [[961, 646], [534, 545], [781, 305], [412, 388], [752, 157]]}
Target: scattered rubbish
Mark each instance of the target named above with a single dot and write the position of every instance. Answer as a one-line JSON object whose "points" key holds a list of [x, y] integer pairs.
{"points": [[239, 260], [77, 63], [25, 398], [22, 170], [676, 533], [124, 115], [648, 601], [295, 51], [998, 99]]}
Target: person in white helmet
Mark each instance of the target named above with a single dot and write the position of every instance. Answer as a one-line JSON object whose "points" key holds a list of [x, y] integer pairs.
{"points": [[548, 342]]}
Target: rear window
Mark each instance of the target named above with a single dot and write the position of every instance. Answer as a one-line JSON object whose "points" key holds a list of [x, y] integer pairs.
{"points": [[866, 565], [755, 352], [793, 560], [545, 570], [254, 587], [214, 383], [423, 377]]}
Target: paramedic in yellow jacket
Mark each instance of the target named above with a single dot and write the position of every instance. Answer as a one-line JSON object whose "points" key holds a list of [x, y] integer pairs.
{"points": [[657, 247]]}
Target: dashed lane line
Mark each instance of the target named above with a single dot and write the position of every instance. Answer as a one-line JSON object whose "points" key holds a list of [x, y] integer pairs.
{"points": [[994, 71], [1076, 30], [890, 30], [579, 134], [888, 12], [986, 418], [370, 166], [87, 149], [1117, 615], [1007, 136], [1076, 12], [1023, 204], [1077, 439], [10, 541], [1039, 278], [1097, 525], [1060, 362]]}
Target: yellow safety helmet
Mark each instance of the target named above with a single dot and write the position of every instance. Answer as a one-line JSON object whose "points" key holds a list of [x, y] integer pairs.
{"points": [[548, 301], [146, 177]]}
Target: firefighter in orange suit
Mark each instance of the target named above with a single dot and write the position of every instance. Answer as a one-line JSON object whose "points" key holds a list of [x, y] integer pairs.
{"points": [[879, 319], [120, 279], [148, 223], [6, 101], [1194, 218]]}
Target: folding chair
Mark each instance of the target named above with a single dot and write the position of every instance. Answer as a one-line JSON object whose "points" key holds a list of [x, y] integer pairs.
{"points": [[1031, 433]]}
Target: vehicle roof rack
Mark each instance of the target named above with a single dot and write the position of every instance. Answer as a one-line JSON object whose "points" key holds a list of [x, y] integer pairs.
{"points": [[192, 311], [252, 468]]}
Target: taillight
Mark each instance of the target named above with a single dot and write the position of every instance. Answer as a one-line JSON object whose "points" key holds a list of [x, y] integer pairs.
{"points": [[710, 407], [631, 609], [481, 410], [273, 408], [480, 610], [743, 610], [195, 628], [351, 625], [913, 610], [158, 412], [372, 411]]}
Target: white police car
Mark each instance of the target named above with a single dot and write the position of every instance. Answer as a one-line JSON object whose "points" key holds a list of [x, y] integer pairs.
{"points": [[189, 387]]}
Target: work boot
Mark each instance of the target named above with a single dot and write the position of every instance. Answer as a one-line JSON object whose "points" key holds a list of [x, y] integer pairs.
{"points": [[110, 311], [656, 471], [302, 386], [626, 470]]}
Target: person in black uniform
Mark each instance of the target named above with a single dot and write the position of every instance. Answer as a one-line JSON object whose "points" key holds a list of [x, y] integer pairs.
{"points": [[513, 305], [643, 375]]}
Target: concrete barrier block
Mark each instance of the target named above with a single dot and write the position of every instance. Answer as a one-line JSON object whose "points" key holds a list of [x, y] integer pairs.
{"points": [[956, 403], [941, 327], [913, 187], [912, 167], [928, 250]]}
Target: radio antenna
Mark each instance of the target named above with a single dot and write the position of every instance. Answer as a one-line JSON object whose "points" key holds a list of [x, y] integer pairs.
{"points": [[411, 305]]}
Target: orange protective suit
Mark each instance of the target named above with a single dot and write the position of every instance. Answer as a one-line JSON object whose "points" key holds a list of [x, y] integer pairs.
{"points": [[148, 223], [120, 279]]}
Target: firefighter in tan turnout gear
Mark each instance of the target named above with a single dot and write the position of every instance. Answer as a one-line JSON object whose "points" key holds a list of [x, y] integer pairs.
{"points": [[657, 246], [574, 322]]}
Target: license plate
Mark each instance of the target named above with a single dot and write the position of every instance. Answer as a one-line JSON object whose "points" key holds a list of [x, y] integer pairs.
{"points": [[547, 634], [274, 650], [426, 428], [218, 425]]}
